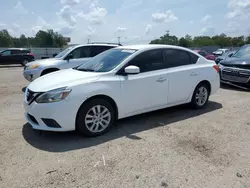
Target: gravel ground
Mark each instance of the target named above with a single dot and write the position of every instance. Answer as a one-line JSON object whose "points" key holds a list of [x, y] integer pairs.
{"points": [[175, 147]]}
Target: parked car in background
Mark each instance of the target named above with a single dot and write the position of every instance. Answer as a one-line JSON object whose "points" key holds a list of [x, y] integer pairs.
{"points": [[119, 83], [220, 52], [206, 54], [235, 70], [16, 56], [71, 57], [224, 56]]}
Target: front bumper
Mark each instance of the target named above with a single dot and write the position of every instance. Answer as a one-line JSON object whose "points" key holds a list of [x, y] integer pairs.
{"points": [[31, 75], [58, 116]]}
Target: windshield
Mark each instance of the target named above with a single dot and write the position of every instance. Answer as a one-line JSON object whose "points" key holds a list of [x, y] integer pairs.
{"points": [[243, 52], [106, 61], [61, 54]]}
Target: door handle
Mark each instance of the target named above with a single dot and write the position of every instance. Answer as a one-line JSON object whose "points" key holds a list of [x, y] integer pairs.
{"points": [[193, 74], [161, 79]]}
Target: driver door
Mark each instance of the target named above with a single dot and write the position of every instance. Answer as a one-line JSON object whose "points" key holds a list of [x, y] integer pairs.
{"points": [[79, 56], [147, 90]]}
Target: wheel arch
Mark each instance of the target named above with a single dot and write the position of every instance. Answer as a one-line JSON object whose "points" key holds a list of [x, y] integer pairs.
{"points": [[207, 83], [50, 69], [101, 96]]}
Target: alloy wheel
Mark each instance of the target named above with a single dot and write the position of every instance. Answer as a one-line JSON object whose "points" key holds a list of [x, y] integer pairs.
{"points": [[201, 96], [97, 118]]}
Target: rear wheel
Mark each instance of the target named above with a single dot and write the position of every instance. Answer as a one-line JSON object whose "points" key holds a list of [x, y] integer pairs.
{"points": [[200, 96], [95, 117], [24, 62]]}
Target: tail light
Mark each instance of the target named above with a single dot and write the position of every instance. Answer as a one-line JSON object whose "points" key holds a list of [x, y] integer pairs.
{"points": [[31, 54], [217, 68]]}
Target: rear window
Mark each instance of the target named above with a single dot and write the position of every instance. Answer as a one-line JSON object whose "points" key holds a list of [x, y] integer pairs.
{"points": [[26, 51], [194, 58]]}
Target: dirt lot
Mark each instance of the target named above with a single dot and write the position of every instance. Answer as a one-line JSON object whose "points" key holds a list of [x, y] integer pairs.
{"points": [[172, 148]]}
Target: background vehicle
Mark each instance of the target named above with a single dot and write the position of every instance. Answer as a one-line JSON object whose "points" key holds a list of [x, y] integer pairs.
{"points": [[235, 70], [119, 83], [220, 52], [222, 57], [206, 54], [16, 56], [71, 57]]}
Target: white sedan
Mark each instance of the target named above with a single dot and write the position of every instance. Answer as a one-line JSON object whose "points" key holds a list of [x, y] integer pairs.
{"points": [[118, 83]]}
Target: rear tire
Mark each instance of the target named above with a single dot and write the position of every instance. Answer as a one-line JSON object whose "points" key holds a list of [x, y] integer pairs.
{"points": [[24, 62], [200, 96], [95, 117]]}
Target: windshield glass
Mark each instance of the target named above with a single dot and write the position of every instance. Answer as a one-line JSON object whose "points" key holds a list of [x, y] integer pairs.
{"points": [[243, 52], [106, 61], [61, 54]]}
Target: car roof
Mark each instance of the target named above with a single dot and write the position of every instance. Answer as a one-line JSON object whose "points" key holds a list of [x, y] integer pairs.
{"points": [[16, 49], [151, 46], [222, 49], [96, 44]]}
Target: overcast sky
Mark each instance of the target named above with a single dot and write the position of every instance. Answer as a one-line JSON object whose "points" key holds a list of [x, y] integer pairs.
{"points": [[136, 21]]}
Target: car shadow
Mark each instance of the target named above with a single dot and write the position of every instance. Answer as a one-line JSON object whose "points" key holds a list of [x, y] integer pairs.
{"points": [[9, 66], [234, 88], [63, 142]]}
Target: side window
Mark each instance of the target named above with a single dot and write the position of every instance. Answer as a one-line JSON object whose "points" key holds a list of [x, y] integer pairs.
{"points": [[6, 53], [194, 58], [175, 58], [15, 52], [149, 61], [25, 52], [95, 50], [81, 52]]}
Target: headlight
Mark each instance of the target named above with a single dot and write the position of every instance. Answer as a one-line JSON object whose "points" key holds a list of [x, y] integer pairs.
{"points": [[34, 66], [55, 95], [221, 66]]}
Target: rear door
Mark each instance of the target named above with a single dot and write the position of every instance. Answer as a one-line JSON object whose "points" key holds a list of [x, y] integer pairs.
{"points": [[182, 74], [16, 56]]}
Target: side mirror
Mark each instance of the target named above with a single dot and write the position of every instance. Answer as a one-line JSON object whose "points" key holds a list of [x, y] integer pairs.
{"points": [[132, 69], [68, 57], [230, 55]]}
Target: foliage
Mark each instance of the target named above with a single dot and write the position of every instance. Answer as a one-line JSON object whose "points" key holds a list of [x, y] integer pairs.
{"points": [[47, 39], [219, 40]]}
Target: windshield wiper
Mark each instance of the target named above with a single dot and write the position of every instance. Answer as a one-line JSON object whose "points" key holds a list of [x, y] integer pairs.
{"points": [[87, 70]]}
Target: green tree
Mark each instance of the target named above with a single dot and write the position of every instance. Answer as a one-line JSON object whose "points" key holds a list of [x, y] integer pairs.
{"points": [[5, 39], [183, 42], [23, 41], [247, 41]]}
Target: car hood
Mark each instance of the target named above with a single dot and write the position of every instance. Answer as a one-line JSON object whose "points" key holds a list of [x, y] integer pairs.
{"points": [[44, 62], [236, 61], [63, 78]]}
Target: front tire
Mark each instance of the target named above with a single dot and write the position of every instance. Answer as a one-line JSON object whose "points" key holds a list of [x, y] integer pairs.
{"points": [[200, 96], [95, 117]]}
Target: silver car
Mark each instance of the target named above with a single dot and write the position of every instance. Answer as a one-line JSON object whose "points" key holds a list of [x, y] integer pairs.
{"points": [[72, 56]]}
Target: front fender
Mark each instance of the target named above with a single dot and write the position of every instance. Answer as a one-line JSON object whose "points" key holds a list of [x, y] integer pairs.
{"points": [[83, 92]]}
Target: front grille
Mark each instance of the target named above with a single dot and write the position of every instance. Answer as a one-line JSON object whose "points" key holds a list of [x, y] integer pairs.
{"points": [[235, 75], [31, 96], [237, 66], [234, 78]]}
